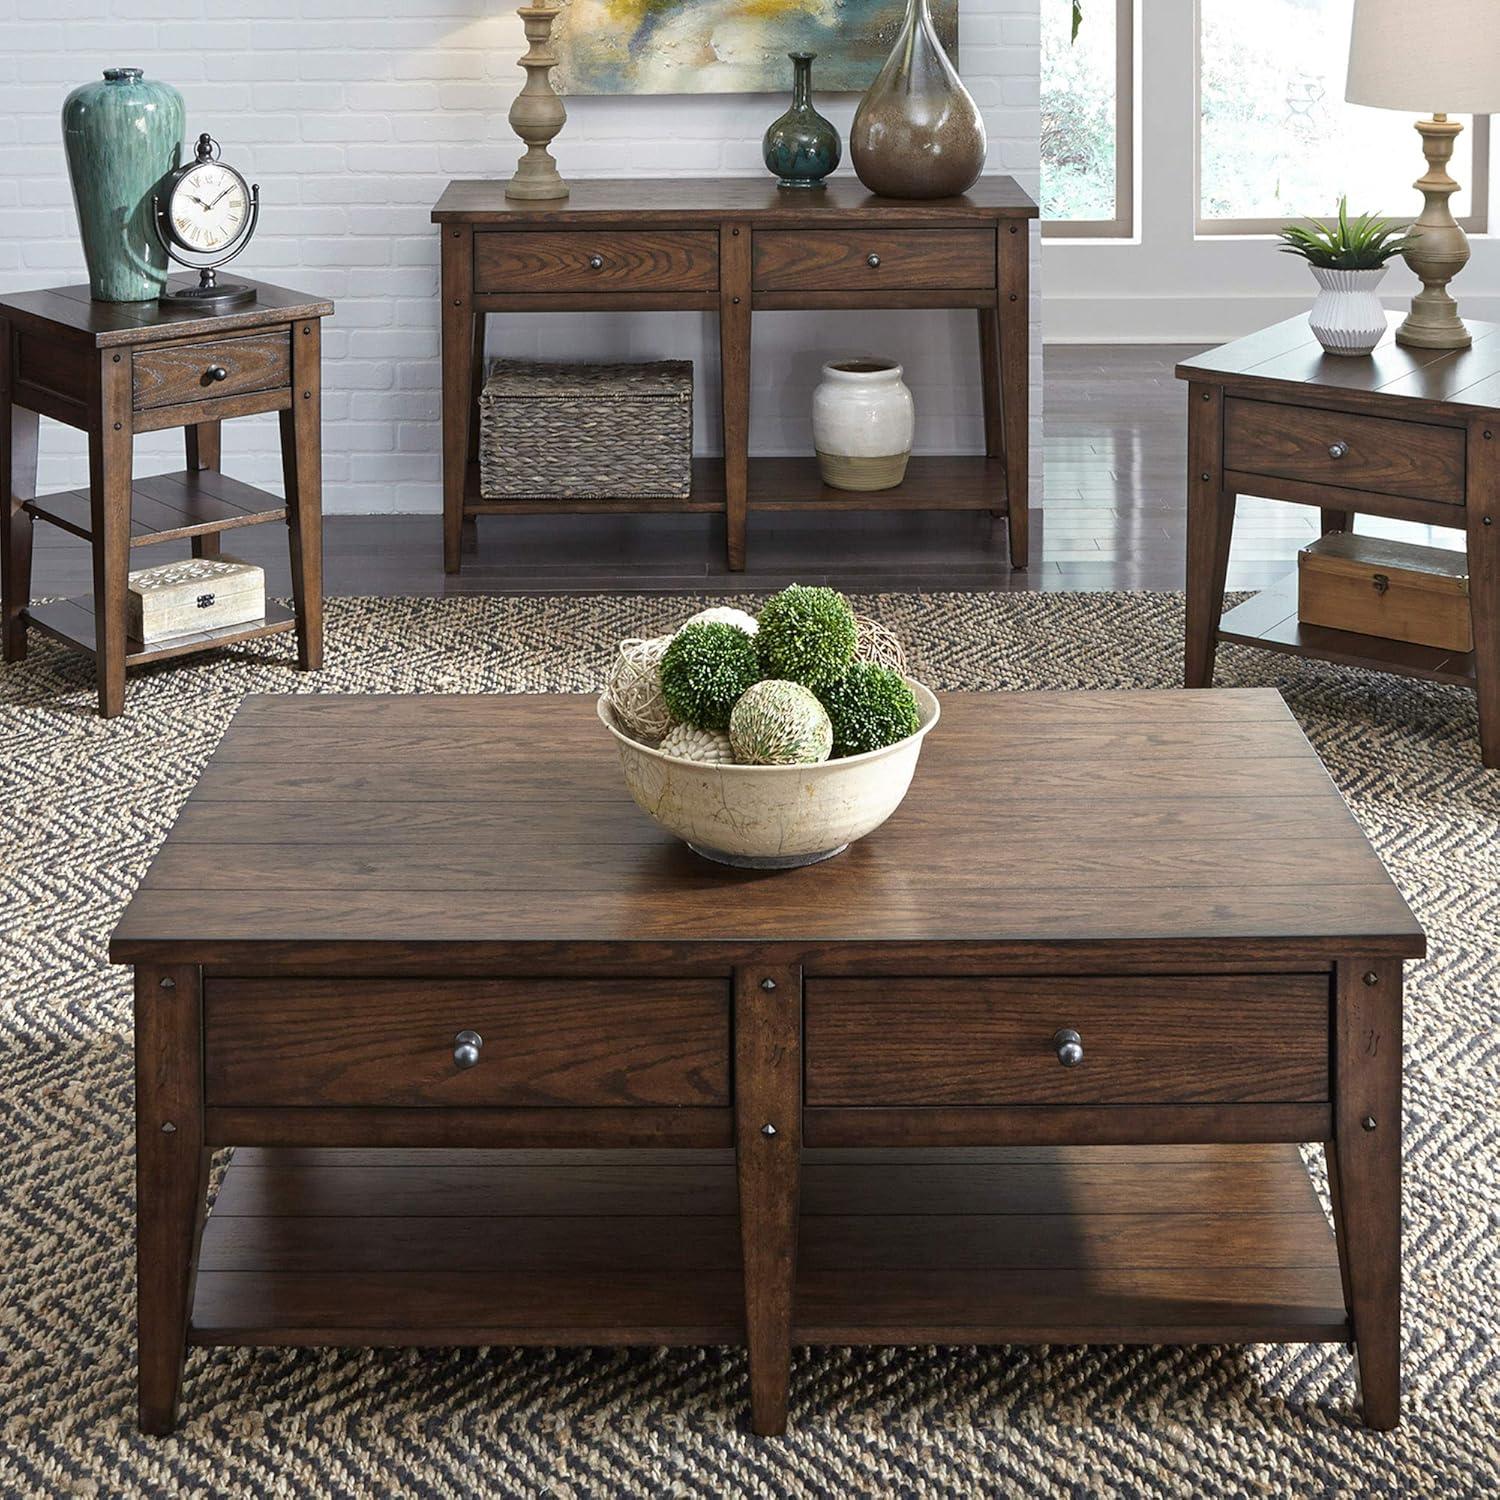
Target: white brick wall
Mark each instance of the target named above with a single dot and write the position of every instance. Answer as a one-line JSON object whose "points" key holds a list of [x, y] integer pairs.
{"points": [[352, 116]]}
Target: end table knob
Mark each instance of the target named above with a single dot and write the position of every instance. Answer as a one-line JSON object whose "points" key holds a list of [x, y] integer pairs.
{"points": [[466, 1047], [1069, 1047], [1338, 450], [216, 372], [596, 262], [873, 261]]}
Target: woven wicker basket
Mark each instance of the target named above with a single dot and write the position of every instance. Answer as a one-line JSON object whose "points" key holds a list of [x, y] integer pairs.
{"points": [[586, 432]]}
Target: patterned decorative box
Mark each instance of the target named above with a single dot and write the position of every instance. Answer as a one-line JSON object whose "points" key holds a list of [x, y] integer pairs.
{"points": [[199, 593], [586, 432]]}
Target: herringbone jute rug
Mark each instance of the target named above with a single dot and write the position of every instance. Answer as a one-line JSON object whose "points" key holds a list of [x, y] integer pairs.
{"points": [[85, 804]]}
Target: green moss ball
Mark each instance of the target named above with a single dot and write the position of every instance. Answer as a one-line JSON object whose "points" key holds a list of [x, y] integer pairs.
{"points": [[705, 671], [807, 635], [870, 707], [780, 724]]}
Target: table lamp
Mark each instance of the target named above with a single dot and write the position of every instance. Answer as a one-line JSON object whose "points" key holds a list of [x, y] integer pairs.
{"points": [[1412, 54]]}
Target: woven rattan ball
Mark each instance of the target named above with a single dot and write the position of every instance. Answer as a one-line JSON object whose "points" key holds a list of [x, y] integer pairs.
{"points": [[879, 643], [634, 687], [724, 614]]}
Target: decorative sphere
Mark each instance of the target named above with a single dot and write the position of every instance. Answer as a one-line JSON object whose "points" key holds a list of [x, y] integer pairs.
{"points": [[870, 707], [706, 746], [779, 723], [634, 687], [724, 614], [704, 671], [807, 635]]}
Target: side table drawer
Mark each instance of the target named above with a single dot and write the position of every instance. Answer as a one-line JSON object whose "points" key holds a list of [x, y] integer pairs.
{"points": [[1314, 446], [1214, 1039], [225, 367], [873, 260], [586, 261], [583, 1042]]}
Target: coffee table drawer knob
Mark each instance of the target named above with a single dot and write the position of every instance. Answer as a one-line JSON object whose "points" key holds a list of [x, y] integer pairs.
{"points": [[1069, 1047], [466, 1047]]}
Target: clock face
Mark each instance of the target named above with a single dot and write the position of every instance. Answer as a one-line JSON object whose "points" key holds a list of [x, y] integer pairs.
{"points": [[208, 207]]}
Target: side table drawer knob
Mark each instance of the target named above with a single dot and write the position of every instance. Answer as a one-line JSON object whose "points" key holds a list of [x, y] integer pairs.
{"points": [[1338, 450], [466, 1047], [216, 372], [1069, 1046], [596, 262], [873, 261]]}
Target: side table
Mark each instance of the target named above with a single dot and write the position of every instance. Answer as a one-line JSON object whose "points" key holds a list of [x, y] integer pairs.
{"points": [[113, 370], [1412, 434]]}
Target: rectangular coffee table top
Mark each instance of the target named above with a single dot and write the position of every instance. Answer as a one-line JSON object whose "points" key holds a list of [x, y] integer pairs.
{"points": [[1101, 827]]}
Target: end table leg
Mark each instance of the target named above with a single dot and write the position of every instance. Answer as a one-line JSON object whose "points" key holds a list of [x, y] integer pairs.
{"points": [[171, 1180], [205, 448], [768, 1136], [1334, 520], [1367, 1148], [1484, 580], [18, 455], [1210, 525], [734, 372], [110, 481], [302, 472], [1014, 315], [458, 373], [989, 385]]}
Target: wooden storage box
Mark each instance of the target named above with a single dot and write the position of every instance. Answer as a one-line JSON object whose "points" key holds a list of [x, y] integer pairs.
{"points": [[199, 593], [586, 432], [1396, 590]]}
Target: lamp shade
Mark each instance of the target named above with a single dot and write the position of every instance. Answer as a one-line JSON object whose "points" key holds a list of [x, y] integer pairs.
{"points": [[1426, 55]]}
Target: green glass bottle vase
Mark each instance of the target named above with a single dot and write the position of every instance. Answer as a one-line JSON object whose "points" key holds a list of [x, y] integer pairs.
{"points": [[123, 135], [801, 148]]}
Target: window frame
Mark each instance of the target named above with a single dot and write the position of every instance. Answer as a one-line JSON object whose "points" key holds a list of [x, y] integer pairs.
{"points": [[1122, 225], [1476, 221]]}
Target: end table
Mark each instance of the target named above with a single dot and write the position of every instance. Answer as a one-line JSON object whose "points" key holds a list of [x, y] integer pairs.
{"points": [[113, 369]]}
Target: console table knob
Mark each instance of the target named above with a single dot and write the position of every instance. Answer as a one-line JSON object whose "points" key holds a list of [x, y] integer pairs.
{"points": [[596, 262], [1338, 450], [216, 372], [466, 1047], [1069, 1047], [872, 261]]}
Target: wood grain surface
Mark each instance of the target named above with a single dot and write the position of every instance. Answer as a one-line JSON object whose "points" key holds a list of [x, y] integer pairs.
{"points": [[841, 259], [538, 261], [184, 373]]}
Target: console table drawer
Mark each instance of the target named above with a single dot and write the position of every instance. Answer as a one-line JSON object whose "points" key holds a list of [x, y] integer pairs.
{"points": [[543, 261], [1307, 444], [583, 1042], [873, 259], [226, 367], [1215, 1039]]}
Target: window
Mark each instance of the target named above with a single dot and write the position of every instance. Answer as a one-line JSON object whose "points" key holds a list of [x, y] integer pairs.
{"points": [[1087, 110], [1276, 141]]}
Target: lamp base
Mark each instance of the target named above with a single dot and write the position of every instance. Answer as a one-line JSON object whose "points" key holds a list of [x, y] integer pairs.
{"points": [[1440, 248]]}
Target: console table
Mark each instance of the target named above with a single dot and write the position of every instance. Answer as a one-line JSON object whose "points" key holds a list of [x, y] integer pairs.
{"points": [[113, 369], [1070, 1020], [734, 247], [1412, 434]]}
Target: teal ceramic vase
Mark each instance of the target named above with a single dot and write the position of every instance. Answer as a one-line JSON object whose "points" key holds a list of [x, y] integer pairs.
{"points": [[123, 135], [802, 148]]}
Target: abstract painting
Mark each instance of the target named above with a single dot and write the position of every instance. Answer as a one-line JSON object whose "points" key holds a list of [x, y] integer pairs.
{"points": [[728, 46]]}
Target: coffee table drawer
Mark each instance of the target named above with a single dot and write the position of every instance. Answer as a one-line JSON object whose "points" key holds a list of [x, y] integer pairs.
{"points": [[584, 1042], [1415, 459], [1215, 1039], [873, 259], [583, 261], [225, 367]]}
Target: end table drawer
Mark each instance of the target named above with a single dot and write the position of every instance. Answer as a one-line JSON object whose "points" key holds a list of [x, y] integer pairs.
{"points": [[873, 260], [1313, 446], [1214, 1039], [498, 1043], [196, 372], [581, 261]]}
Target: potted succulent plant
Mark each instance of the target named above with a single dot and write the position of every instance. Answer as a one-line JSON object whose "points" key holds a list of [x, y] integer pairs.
{"points": [[1348, 260]]}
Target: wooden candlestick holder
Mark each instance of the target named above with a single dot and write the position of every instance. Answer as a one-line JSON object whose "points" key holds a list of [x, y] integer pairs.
{"points": [[537, 113]]}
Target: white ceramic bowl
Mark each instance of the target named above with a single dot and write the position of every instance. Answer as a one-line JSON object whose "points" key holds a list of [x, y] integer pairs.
{"points": [[772, 817]]}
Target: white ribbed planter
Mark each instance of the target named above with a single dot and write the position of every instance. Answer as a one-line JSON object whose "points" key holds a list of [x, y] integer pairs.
{"points": [[1347, 316]]}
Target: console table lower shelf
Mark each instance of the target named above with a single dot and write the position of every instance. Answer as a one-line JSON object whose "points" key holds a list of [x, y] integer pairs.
{"points": [[1105, 1244]]}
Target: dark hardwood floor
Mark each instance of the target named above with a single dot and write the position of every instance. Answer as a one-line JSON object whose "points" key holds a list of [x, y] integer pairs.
{"points": [[1110, 517]]}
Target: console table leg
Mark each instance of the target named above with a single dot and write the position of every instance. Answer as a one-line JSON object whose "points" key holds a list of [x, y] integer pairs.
{"points": [[205, 449], [734, 371], [110, 480], [458, 404], [1210, 525], [171, 1180], [1367, 1148], [302, 471], [1014, 313], [18, 459], [1484, 580], [768, 1149]]}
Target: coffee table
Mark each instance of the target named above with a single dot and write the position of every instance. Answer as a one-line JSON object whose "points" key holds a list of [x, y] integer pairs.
{"points": [[506, 1064]]}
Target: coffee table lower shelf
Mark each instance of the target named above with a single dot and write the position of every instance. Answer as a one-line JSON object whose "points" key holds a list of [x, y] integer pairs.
{"points": [[1184, 1244]]}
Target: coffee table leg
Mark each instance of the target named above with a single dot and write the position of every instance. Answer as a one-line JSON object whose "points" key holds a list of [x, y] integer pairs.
{"points": [[1367, 1177], [171, 1180], [768, 1136], [1210, 524]]}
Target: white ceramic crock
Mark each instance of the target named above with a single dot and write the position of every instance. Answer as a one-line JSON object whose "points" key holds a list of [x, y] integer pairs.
{"points": [[863, 423], [772, 817], [1347, 317]]}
